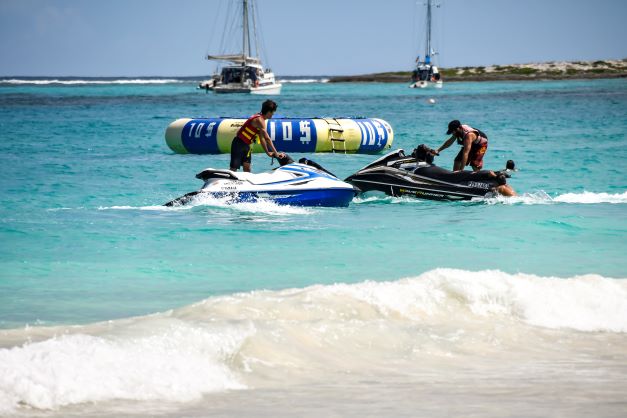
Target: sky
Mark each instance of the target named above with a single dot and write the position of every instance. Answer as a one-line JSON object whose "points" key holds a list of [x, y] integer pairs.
{"points": [[317, 37]]}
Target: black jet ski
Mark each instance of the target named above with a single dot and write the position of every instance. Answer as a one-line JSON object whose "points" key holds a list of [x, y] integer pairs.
{"points": [[396, 174]]}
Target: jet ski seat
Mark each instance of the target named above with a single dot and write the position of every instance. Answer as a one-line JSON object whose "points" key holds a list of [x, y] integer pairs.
{"points": [[442, 174], [211, 173]]}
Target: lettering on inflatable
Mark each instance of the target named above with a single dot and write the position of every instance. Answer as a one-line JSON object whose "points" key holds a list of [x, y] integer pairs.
{"points": [[380, 131], [305, 131], [371, 133], [287, 131], [364, 137], [198, 129], [367, 133], [210, 129], [199, 136], [297, 135]]}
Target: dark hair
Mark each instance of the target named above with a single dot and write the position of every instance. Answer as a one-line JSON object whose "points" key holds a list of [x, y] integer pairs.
{"points": [[501, 180], [510, 165], [268, 106], [452, 126]]}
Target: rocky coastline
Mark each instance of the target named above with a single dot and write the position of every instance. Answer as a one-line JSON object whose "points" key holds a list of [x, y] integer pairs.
{"points": [[555, 70]]}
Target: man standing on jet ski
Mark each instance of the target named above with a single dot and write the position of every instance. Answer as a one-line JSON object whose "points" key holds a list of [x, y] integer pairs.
{"points": [[474, 145], [253, 130]]}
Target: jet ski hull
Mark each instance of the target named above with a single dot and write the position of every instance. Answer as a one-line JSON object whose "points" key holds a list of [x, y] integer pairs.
{"points": [[322, 198], [397, 175], [394, 186], [293, 184]]}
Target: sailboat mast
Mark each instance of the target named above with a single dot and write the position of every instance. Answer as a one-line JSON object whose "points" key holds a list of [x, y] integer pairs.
{"points": [[428, 43], [246, 34]]}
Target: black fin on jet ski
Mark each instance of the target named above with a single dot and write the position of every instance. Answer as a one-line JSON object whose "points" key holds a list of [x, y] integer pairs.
{"points": [[183, 200]]}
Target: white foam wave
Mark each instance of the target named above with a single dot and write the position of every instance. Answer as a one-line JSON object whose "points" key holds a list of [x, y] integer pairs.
{"points": [[584, 303], [17, 81], [175, 361]]}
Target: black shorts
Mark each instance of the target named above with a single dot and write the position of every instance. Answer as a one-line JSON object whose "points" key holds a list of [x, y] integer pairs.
{"points": [[475, 156], [240, 153]]}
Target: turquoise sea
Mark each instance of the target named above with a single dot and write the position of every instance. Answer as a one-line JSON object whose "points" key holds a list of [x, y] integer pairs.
{"points": [[113, 305]]}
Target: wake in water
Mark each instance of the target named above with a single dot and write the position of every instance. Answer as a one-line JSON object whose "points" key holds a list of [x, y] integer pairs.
{"points": [[534, 198], [444, 319], [260, 206], [539, 198]]}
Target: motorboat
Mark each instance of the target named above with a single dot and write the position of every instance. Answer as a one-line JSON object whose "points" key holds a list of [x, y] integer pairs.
{"points": [[305, 183], [397, 174]]}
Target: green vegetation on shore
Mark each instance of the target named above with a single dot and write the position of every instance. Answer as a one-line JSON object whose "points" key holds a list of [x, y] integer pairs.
{"points": [[536, 71]]}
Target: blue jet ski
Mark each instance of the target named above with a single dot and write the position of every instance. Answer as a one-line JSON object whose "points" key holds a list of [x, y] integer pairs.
{"points": [[299, 184]]}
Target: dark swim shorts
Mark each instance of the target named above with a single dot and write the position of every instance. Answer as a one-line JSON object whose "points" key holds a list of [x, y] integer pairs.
{"points": [[240, 153], [475, 157]]}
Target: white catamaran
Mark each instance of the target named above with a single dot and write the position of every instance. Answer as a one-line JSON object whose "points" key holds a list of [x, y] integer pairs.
{"points": [[426, 74], [245, 74]]}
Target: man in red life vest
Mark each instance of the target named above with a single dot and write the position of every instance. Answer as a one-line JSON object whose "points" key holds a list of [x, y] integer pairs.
{"points": [[253, 130], [474, 145]]}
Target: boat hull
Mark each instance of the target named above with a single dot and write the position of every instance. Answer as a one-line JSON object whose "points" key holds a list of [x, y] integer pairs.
{"points": [[426, 84], [271, 89]]}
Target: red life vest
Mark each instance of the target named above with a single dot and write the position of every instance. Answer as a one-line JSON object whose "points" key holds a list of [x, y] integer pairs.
{"points": [[247, 132], [481, 137]]}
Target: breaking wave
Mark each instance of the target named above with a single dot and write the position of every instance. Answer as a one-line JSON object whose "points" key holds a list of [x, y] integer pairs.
{"points": [[69, 82], [281, 337]]}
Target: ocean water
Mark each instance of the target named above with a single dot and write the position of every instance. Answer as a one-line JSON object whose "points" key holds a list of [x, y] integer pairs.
{"points": [[113, 305]]}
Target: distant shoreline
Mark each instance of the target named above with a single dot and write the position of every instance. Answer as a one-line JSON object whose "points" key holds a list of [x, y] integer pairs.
{"points": [[515, 72]]}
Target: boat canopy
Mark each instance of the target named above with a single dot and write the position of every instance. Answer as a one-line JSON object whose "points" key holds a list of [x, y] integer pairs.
{"points": [[236, 58]]}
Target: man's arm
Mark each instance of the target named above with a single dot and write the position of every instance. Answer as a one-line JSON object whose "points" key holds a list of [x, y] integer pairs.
{"points": [[266, 141], [445, 145]]}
